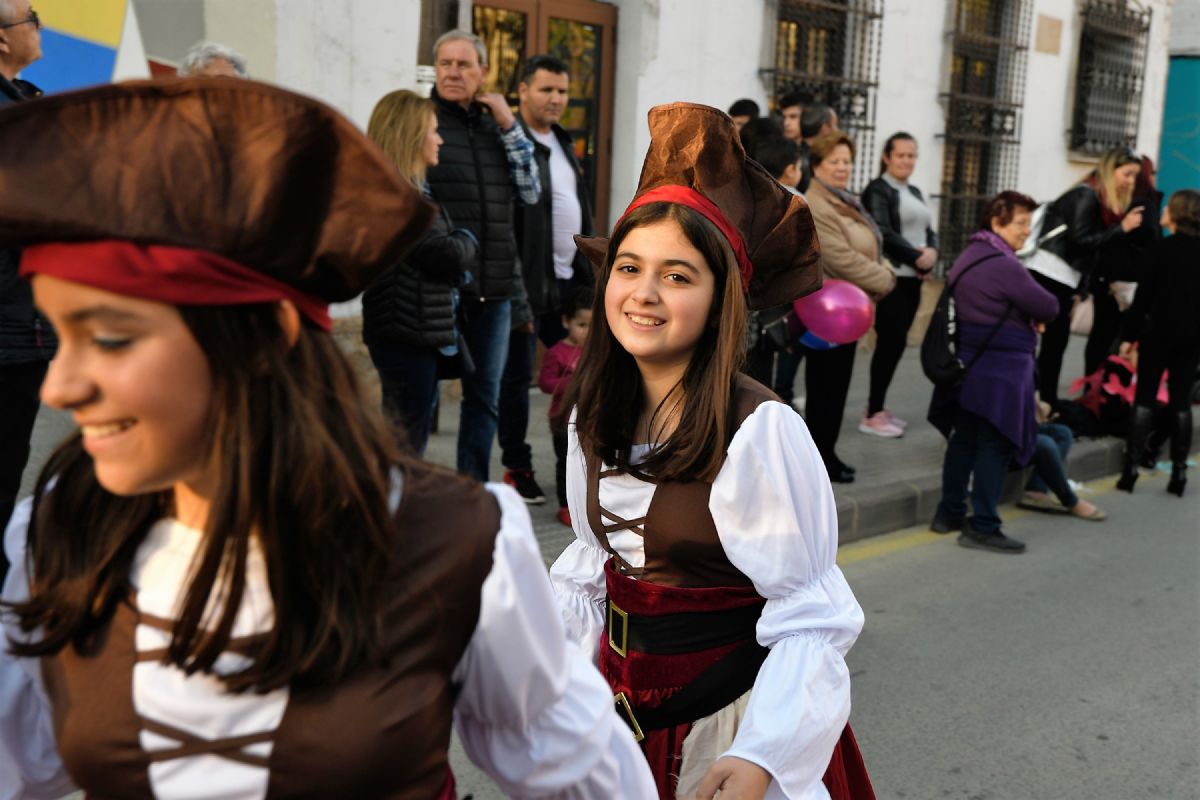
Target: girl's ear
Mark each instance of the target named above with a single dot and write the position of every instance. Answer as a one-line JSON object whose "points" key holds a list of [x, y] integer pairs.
{"points": [[289, 321]]}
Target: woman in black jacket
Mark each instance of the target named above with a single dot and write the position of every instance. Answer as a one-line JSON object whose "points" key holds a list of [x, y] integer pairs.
{"points": [[1096, 212], [409, 313], [911, 246], [1164, 322]]}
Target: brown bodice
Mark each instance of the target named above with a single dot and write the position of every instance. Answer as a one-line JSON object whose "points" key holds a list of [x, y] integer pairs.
{"points": [[383, 732], [679, 536]]}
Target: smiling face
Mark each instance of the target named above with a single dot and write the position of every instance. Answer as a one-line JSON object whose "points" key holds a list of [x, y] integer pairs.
{"points": [[834, 170], [1017, 230], [659, 295], [902, 160], [136, 382]]}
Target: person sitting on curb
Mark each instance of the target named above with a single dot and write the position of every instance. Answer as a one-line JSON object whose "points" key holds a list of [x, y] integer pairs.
{"points": [[1049, 476]]}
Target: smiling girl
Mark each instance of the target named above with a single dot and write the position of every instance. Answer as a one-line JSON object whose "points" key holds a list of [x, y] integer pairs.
{"points": [[230, 583], [705, 523]]}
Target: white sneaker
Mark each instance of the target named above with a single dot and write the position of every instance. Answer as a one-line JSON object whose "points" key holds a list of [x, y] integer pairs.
{"points": [[892, 418], [879, 425]]}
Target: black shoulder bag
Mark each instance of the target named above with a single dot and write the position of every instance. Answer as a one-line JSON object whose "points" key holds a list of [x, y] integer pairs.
{"points": [[939, 348]]}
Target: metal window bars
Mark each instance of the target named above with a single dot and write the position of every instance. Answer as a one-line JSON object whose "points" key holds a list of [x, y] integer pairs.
{"points": [[1108, 84], [989, 49], [829, 50]]}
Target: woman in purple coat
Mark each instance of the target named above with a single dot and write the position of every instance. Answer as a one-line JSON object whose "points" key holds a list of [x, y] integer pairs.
{"points": [[990, 419]]}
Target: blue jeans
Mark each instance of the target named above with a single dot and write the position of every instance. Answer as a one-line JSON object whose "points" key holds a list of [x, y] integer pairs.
{"points": [[976, 447], [408, 377], [486, 333], [515, 453], [1049, 475]]}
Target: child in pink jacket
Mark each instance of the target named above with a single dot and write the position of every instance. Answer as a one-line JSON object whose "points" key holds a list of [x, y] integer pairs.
{"points": [[558, 365]]}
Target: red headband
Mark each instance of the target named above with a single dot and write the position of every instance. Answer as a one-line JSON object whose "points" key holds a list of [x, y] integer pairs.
{"points": [[686, 196], [177, 275]]}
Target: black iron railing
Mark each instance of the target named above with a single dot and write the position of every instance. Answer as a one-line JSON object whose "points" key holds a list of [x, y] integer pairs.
{"points": [[989, 48], [1108, 84], [829, 50]]}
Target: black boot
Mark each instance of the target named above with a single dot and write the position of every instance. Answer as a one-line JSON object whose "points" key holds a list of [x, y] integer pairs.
{"points": [[1181, 445], [1141, 422]]}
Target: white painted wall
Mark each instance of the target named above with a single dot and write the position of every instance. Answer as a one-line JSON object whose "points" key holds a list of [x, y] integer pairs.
{"points": [[701, 51], [1185, 28], [248, 26], [913, 70], [347, 54]]}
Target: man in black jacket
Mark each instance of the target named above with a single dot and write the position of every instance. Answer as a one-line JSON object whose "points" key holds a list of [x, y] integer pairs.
{"points": [[486, 162], [27, 341], [551, 265]]}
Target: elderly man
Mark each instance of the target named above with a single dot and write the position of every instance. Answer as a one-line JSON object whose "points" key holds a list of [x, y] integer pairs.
{"points": [[486, 162], [551, 265], [27, 341], [213, 60]]}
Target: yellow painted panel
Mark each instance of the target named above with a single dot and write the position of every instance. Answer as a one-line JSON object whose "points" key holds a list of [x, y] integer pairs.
{"points": [[98, 21]]}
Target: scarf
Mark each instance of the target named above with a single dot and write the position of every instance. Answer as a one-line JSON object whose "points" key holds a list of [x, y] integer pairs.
{"points": [[851, 199]]}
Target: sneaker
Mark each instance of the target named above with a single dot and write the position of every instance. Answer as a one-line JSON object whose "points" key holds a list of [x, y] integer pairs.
{"points": [[996, 541], [892, 418], [878, 425], [944, 523], [564, 516], [522, 480]]}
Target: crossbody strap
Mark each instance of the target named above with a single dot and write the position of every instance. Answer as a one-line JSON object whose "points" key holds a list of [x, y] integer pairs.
{"points": [[950, 288]]}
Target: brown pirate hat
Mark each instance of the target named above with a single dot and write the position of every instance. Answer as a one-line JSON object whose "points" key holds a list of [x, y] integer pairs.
{"points": [[271, 180], [696, 158]]}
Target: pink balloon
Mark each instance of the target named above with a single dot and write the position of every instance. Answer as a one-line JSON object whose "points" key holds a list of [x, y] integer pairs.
{"points": [[838, 312]]}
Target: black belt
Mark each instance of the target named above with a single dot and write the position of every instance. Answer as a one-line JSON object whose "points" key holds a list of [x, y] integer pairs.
{"points": [[712, 690], [679, 633]]}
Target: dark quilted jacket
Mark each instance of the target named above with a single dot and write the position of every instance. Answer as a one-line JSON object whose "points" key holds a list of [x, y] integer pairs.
{"points": [[473, 183], [25, 335], [411, 303]]}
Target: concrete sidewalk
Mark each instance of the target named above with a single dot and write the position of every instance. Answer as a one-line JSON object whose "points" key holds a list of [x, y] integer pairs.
{"points": [[899, 480]]}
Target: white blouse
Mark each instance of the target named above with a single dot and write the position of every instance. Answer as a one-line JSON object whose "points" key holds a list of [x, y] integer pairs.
{"points": [[532, 710], [774, 511]]}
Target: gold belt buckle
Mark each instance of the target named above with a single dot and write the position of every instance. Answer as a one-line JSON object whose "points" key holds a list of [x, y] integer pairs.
{"points": [[622, 703], [614, 613]]}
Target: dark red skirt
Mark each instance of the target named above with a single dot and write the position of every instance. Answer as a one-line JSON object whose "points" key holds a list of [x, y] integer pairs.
{"points": [[647, 679]]}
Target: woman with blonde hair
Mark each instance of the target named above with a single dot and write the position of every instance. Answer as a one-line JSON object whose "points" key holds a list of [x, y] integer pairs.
{"points": [[1096, 213], [409, 313]]}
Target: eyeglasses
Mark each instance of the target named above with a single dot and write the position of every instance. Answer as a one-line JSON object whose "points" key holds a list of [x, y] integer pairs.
{"points": [[33, 17]]}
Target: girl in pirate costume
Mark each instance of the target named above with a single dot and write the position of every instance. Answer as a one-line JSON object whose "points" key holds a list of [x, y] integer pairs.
{"points": [[229, 583], [705, 522]]}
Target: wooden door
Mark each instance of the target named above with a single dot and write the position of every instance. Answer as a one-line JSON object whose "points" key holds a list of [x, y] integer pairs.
{"points": [[581, 33]]}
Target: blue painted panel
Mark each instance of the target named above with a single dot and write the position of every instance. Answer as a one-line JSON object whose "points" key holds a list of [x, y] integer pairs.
{"points": [[69, 63], [1179, 153]]}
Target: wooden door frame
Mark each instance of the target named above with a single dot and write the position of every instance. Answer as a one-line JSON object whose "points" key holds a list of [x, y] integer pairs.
{"points": [[592, 12], [604, 15]]}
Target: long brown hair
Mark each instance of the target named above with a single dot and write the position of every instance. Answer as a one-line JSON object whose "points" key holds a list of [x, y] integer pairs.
{"points": [[607, 390], [399, 123], [306, 467]]}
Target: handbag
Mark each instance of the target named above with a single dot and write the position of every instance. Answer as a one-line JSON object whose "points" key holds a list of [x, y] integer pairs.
{"points": [[1083, 313], [939, 348]]}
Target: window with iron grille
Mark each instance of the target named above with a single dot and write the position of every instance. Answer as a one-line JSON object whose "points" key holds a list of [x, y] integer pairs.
{"points": [[829, 50], [983, 113], [1108, 85]]}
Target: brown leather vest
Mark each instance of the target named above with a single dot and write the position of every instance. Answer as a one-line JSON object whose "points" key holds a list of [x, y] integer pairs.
{"points": [[680, 539], [383, 732]]}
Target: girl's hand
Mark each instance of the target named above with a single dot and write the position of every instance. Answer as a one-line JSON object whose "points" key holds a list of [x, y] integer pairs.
{"points": [[1132, 219], [735, 779]]}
